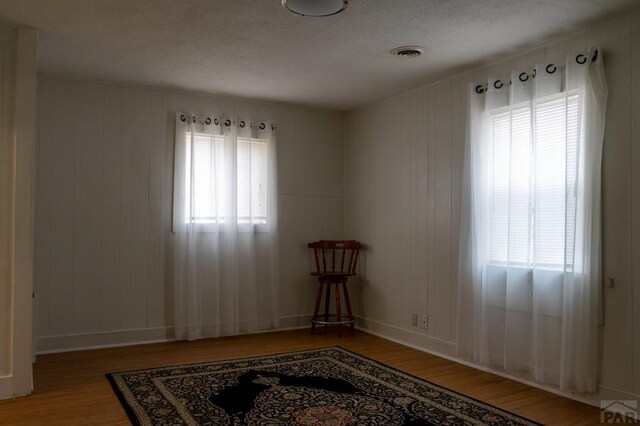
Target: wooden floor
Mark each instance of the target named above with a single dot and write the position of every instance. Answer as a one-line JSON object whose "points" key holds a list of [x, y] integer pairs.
{"points": [[71, 389]]}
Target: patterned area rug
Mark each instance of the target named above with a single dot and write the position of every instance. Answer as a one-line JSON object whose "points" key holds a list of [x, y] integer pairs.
{"points": [[324, 387]]}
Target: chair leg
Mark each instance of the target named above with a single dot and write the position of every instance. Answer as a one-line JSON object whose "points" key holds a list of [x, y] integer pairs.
{"points": [[327, 300], [338, 319], [314, 318], [347, 301]]}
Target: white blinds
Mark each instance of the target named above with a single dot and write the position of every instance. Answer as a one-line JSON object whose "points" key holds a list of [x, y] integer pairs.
{"points": [[532, 178], [206, 185], [207, 178], [252, 180], [509, 186]]}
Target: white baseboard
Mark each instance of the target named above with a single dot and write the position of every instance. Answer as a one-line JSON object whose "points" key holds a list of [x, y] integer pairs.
{"points": [[106, 339], [6, 387], [15, 386], [609, 393], [292, 322], [116, 338], [430, 345], [406, 337]]}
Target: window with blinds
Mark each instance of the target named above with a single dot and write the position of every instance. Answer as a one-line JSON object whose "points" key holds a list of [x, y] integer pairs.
{"points": [[532, 182], [207, 187], [252, 180]]}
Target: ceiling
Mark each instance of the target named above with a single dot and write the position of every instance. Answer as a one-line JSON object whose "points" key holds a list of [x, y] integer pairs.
{"points": [[256, 49]]}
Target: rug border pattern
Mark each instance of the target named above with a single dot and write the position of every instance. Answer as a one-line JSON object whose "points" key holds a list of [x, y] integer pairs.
{"points": [[139, 416]]}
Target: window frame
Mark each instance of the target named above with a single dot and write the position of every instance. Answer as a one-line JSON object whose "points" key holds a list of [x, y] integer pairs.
{"points": [[243, 224], [533, 106]]}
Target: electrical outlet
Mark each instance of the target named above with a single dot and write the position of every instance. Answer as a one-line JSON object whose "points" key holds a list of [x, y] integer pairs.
{"points": [[425, 321], [414, 319]]}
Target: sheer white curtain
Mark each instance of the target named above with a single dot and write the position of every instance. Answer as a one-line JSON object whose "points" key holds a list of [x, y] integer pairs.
{"points": [[225, 225], [529, 268]]}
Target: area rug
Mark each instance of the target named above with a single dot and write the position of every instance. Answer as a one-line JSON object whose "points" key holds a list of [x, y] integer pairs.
{"points": [[323, 387]]}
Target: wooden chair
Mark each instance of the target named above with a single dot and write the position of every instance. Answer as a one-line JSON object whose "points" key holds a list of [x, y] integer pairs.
{"points": [[335, 262]]}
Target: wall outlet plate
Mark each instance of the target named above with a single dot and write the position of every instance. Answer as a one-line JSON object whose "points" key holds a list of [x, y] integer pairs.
{"points": [[425, 321], [414, 319]]}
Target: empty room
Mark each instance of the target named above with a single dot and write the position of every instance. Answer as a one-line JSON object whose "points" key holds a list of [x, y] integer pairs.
{"points": [[319, 212]]}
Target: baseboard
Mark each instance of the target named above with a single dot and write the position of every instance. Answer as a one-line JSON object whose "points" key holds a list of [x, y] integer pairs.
{"points": [[6, 387], [15, 386], [106, 339], [112, 339], [430, 345], [608, 393], [405, 337], [292, 322]]}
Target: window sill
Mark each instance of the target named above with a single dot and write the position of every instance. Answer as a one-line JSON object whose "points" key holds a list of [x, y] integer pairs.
{"points": [[522, 267], [240, 228]]}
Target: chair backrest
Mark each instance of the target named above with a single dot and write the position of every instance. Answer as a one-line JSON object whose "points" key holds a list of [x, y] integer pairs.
{"points": [[335, 257]]}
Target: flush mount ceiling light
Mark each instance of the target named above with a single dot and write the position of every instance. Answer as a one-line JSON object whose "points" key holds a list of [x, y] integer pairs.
{"points": [[407, 51], [315, 7]]}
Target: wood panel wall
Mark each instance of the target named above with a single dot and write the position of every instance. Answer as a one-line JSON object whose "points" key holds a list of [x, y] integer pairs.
{"points": [[403, 182], [7, 151], [18, 76], [104, 179]]}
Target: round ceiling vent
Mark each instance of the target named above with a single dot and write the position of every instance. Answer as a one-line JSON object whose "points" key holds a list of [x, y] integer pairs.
{"points": [[315, 7], [407, 51]]}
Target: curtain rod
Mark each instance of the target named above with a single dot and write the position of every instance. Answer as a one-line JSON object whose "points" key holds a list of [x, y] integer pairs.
{"points": [[227, 122], [550, 68]]}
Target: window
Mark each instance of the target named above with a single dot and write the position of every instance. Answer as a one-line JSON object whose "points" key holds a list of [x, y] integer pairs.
{"points": [[209, 197], [252, 180], [532, 181]]}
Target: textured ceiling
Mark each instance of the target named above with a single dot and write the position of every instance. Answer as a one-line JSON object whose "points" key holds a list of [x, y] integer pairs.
{"points": [[256, 49]]}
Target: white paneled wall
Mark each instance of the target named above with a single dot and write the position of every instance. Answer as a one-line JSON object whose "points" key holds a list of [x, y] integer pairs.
{"points": [[104, 179], [18, 78], [7, 77], [403, 177]]}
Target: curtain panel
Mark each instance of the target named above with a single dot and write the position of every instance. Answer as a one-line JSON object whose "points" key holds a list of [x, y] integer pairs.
{"points": [[225, 221], [529, 269]]}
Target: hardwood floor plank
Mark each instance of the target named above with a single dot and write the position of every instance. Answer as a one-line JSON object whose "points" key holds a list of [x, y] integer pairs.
{"points": [[71, 388]]}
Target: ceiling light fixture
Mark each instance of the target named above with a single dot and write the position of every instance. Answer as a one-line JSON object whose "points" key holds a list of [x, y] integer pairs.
{"points": [[315, 7], [407, 51]]}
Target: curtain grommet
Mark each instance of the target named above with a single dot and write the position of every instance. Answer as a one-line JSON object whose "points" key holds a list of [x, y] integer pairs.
{"points": [[183, 118], [208, 120], [216, 121], [498, 84], [581, 59], [526, 77], [242, 124], [550, 68], [479, 90], [262, 126], [227, 122], [193, 119]]}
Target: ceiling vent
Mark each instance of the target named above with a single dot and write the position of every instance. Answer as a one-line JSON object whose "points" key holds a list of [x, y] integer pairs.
{"points": [[407, 51], [315, 7]]}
